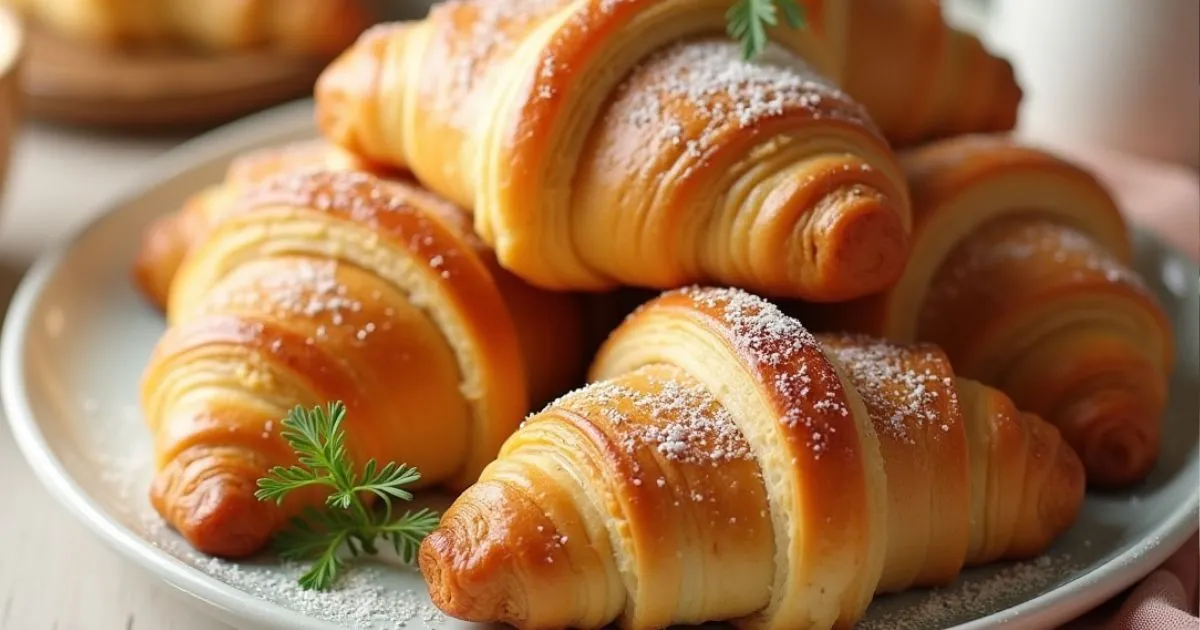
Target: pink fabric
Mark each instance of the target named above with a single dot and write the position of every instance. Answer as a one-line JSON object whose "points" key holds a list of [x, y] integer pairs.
{"points": [[1167, 599], [1165, 200]]}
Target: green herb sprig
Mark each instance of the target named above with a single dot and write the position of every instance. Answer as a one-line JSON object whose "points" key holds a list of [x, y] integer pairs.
{"points": [[748, 20], [317, 437]]}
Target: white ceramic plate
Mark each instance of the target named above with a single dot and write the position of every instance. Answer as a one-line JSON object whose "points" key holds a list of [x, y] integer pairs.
{"points": [[77, 337]]}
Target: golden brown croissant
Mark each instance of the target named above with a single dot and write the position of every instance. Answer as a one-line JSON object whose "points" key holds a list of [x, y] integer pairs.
{"points": [[603, 143], [921, 79], [727, 465], [321, 285], [1020, 273], [316, 27]]}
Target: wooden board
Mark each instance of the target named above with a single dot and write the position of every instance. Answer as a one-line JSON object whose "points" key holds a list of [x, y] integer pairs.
{"points": [[79, 84]]}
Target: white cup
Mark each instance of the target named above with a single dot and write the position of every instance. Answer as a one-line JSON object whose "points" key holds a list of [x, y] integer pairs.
{"points": [[1123, 74]]}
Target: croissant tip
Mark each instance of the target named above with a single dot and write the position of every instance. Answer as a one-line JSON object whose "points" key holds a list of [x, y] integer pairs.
{"points": [[342, 84], [1117, 441], [437, 563], [152, 288], [157, 259], [1119, 456], [218, 514], [432, 561], [476, 564], [867, 247]]}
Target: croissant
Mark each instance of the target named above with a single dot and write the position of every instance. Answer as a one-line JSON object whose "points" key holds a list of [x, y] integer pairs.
{"points": [[1020, 272], [921, 79], [605, 143], [312, 27], [725, 464], [321, 285]]}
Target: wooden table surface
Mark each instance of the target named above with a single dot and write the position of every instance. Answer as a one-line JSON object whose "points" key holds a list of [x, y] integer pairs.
{"points": [[55, 574]]}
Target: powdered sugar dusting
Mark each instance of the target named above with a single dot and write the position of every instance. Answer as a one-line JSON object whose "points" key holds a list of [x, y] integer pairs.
{"points": [[682, 422], [494, 28], [1015, 249], [364, 599], [361, 196], [365, 199], [759, 327], [361, 600], [307, 289], [690, 94], [901, 390], [313, 289], [779, 344]]}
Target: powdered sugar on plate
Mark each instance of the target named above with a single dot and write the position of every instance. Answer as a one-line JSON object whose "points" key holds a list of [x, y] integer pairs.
{"points": [[379, 593], [994, 588]]}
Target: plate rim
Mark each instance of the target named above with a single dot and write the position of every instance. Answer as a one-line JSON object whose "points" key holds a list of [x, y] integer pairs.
{"points": [[31, 441], [1059, 605]]}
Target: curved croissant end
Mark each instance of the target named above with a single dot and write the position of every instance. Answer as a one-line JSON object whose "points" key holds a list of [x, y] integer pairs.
{"points": [[1040, 480], [776, 165], [1032, 252], [961, 184], [1009, 471], [1064, 328], [724, 464], [558, 124], [166, 241], [922, 79]]}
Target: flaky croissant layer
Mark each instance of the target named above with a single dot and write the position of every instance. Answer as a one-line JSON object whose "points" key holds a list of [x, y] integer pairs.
{"points": [[726, 465]]}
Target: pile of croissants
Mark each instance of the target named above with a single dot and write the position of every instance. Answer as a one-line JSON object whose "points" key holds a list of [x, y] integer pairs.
{"points": [[802, 329]]}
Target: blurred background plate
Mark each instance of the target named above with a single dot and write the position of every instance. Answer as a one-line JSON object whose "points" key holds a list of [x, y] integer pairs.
{"points": [[78, 335], [75, 84], [72, 82]]}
